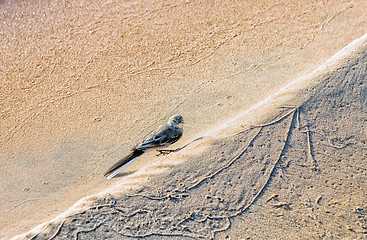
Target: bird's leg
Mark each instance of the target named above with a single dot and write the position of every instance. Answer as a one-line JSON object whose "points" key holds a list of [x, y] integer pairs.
{"points": [[167, 151]]}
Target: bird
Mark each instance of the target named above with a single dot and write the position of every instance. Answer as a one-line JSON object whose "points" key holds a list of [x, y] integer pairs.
{"points": [[164, 135]]}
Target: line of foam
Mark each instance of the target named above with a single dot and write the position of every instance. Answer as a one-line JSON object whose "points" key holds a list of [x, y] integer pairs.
{"points": [[295, 92]]}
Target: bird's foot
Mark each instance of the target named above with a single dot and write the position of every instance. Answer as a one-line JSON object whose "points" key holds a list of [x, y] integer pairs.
{"points": [[166, 151]]}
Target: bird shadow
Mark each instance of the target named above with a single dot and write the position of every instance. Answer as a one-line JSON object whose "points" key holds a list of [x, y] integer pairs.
{"points": [[168, 151], [124, 174]]}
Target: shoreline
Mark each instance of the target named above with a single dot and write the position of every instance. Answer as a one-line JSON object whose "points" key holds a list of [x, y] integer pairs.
{"points": [[305, 84]]}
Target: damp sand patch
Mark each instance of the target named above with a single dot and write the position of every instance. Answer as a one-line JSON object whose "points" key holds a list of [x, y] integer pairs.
{"points": [[301, 171]]}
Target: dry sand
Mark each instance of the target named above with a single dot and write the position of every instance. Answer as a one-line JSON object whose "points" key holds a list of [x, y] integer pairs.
{"points": [[81, 82]]}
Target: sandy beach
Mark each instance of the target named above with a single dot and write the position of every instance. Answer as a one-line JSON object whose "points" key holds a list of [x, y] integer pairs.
{"points": [[81, 82], [300, 175]]}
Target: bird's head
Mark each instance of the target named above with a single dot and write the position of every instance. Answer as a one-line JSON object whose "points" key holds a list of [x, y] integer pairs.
{"points": [[175, 120]]}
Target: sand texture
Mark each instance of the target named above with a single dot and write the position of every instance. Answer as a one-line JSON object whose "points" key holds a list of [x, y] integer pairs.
{"points": [[82, 81], [301, 176]]}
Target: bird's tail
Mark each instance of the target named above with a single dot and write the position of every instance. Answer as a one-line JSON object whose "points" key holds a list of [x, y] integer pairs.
{"points": [[123, 163]]}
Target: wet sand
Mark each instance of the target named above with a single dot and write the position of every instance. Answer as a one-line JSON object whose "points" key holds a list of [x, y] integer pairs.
{"points": [[82, 82]]}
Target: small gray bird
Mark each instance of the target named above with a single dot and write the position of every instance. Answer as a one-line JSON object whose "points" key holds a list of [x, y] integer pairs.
{"points": [[164, 135]]}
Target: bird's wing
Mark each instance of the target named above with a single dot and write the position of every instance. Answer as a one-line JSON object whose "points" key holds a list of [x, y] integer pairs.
{"points": [[163, 135], [153, 139], [173, 135]]}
